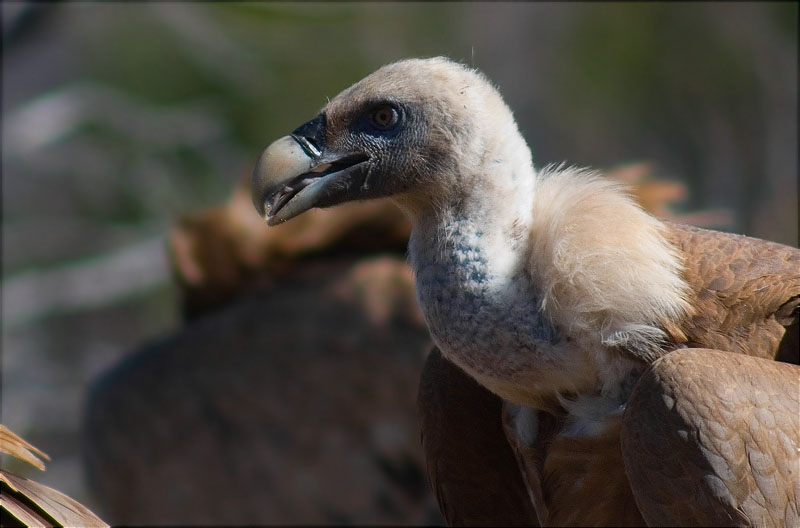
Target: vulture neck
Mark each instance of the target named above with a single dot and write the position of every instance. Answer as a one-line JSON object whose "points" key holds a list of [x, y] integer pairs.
{"points": [[490, 192], [470, 256], [485, 212]]}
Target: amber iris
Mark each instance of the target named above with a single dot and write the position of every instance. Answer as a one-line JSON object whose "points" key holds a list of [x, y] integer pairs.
{"points": [[384, 116]]}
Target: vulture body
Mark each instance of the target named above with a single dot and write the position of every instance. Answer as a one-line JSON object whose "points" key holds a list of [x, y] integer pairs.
{"points": [[595, 365]]}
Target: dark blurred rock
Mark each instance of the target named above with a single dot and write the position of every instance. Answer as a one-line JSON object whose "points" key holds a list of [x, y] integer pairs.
{"points": [[295, 405], [289, 396]]}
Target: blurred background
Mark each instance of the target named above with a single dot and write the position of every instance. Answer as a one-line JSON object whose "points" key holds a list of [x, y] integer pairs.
{"points": [[125, 131]]}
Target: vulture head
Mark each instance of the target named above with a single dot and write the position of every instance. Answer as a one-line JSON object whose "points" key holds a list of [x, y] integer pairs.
{"points": [[437, 139], [412, 125]]}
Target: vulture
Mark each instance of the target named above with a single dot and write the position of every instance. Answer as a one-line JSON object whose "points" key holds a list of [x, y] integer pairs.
{"points": [[594, 365]]}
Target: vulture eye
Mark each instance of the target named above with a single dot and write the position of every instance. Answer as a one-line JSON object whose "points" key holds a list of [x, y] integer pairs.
{"points": [[385, 117]]}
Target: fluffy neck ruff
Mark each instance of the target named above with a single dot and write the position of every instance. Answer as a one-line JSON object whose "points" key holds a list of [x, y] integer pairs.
{"points": [[603, 266]]}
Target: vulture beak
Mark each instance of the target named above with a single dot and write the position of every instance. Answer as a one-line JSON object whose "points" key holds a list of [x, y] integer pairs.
{"points": [[297, 173]]}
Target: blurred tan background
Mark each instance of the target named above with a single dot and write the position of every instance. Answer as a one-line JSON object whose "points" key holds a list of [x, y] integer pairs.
{"points": [[126, 128]]}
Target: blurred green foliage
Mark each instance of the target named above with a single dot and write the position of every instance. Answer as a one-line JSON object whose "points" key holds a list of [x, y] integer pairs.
{"points": [[653, 76]]}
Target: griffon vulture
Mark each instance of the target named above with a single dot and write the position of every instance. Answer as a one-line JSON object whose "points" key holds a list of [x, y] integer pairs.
{"points": [[598, 365]]}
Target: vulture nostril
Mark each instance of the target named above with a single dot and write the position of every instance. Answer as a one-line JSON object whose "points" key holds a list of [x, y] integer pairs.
{"points": [[311, 135], [314, 146], [309, 145]]}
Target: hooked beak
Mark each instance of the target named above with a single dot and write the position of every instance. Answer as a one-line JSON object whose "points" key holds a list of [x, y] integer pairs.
{"points": [[297, 173]]}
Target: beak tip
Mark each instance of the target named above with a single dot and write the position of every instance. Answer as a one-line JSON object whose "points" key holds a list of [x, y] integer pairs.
{"points": [[259, 206]]}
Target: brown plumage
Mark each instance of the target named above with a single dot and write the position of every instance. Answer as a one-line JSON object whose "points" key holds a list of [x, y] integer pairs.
{"points": [[551, 288], [697, 419], [745, 292], [24, 502], [711, 439], [454, 408]]}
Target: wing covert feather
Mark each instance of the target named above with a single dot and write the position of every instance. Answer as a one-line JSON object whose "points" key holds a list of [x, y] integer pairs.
{"points": [[471, 467], [712, 438], [746, 292]]}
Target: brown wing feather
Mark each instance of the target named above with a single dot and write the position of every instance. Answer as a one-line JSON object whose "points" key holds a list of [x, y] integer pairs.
{"points": [[585, 483], [531, 452], [471, 467], [746, 292], [712, 438]]}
